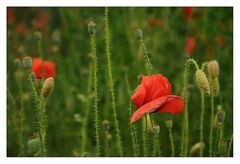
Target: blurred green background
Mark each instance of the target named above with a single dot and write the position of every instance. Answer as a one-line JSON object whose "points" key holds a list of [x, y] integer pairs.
{"points": [[66, 42]]}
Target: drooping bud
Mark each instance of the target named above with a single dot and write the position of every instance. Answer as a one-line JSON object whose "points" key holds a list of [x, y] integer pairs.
{"points": [[106, 125], [169, 123], [34, 145], [215, 85], [222, 148], [38, 35], [213, 68], [202, 81], [220, 116], [91, 28], [156, 130], [27, 62], [196, 148], [17, 63], [139, 34], [47, 87]]}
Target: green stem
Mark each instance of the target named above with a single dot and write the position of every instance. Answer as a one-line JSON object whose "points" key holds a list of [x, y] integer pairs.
{"points": [[40, 52], [144, 137], [230, 147], [171, 141], [116, 124], [201, 124], [157, 148], [211, 120], [147, 60]]}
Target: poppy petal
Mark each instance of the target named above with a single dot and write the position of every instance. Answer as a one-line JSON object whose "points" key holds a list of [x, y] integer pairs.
{"points": [[170, 103], [139, 96]]}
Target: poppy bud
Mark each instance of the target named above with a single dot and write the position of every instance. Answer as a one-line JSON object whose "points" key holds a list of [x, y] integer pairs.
{"points": [[34, 145], [91, 28], [38, 35], [47, 87], [196, 148], [21, 50], [202, 81], [27, 62], [139, 34], [169, 124], [33, 75], [220, 116], [106, 125], [17, 63], [156, 130], [222, 147], [213, 68], [215, 85], [108, 136]]}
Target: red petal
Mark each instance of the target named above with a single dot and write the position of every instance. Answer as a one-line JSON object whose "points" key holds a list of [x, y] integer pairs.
{"points": [[170, 103], [139, 96]]}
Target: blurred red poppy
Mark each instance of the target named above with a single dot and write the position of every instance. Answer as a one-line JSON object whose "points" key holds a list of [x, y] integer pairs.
{"points": [[220, 41], [21, 29], [188, 13], [10, 16], [155, 22], [155, 95], [190, 45], [41, 21], [48, 69]]}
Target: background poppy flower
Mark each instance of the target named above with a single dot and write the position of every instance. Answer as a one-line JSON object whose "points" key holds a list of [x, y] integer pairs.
{"points": [[188, 13], [48, 66], [154, 95], [190, 45]]}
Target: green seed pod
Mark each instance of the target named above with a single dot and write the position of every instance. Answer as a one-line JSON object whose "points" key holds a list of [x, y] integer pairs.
{"points": [[213, 68], [220, 116], [202, 81], [106, 125], [17, 63], [195, 150], [222, 148], [169, 124], [47, 87], [92, 28], [156, 130], [27, 62], [139, 34], [38, 35], [215, 85], [34, 145]]}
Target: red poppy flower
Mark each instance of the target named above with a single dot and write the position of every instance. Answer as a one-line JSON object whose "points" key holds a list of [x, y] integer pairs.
{"points": [[10, 16], [21, 29], [220, 41], [190, 45], [155, 95], [155, 22], [188, 12], [41, 21], [48, 70]]}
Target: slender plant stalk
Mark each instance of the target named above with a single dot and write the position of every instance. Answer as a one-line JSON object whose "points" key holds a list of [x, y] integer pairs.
{"points": [[85, 121], [171, 141], [230, 146], [157, 147], [116, 124], [201, 124], [211, 121], [144, 137], [147, 60], [95, 82], [185, 129]]}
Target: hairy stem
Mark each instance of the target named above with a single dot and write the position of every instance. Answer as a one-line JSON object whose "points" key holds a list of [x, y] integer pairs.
{"points": [[211, 120], [201, 124], [230, 146], [171, 141]]}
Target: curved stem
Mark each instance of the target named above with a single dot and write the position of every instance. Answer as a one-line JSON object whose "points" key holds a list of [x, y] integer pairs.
{"points": [[230, 146], [147, 60], [201, 124]]}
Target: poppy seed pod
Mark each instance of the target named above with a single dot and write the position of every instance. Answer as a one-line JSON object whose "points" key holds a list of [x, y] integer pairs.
{"points": [[220, 116], [222, 147], [47, 87], [202, 81], [91, 28], [215, 85], [169, 124], [34, 145], [196, 149], [213, 68], [156, 130], [27, 62], [17, 63], [106, 125], [139, 34]]}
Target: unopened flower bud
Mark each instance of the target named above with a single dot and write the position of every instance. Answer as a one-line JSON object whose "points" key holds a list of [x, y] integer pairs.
{"points": [[220, 116], [106, 125], [222, 147], [139, 34], [17, 63], [169, 124], [47, 87], [33, 76], [196, 148], [213, 68], [27, 62], [38, 35], [156, 130], [91, 28], [215, 85], [34, 145], [202, 81]]}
